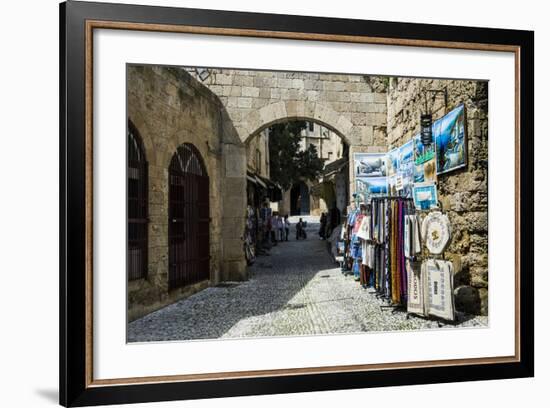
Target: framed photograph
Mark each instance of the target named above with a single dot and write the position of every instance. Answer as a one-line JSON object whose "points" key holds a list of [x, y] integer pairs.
{"points": [[370, 164], [215, 165], [425, 195], [450, 141]]}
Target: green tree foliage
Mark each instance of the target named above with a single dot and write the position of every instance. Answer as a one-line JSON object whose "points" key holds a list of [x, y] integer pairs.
{"points": [[288, 164]]}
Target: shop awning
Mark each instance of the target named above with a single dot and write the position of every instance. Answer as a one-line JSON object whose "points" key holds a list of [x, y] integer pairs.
{"points": [[274, 191], [255, 179], [335, 167]]}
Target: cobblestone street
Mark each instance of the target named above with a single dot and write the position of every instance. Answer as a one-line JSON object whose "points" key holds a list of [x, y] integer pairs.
{"points": [[296, 290]]}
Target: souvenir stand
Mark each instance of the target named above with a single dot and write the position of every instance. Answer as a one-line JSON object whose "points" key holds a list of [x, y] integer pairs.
{"points": [[397, 250], [395, 234]]}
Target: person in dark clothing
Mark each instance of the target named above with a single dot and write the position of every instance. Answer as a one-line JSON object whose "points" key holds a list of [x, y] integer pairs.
{"points": [[323, 227], [300, 230]]}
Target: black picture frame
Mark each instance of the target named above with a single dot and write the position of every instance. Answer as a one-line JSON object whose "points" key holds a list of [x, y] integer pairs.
{"points": [[76, 388]]}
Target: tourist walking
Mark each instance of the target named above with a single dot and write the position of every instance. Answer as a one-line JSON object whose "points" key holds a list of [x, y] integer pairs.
{"points": [[287, 227], [280, 227], [274, 228]]}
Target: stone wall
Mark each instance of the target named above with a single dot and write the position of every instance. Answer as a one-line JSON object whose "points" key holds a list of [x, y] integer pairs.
{"points": [[352, 105], [463, 192], [169, 107]]}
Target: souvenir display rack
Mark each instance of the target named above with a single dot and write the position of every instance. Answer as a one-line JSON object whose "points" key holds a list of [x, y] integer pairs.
{"points": [[376, 254]]}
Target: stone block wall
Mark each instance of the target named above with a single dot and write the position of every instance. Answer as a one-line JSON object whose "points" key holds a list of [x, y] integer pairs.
{"points": [[169, 107], [352, 105], [463, 193]]}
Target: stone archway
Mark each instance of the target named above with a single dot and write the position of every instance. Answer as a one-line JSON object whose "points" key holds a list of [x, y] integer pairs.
{"points": [[283, 111]]}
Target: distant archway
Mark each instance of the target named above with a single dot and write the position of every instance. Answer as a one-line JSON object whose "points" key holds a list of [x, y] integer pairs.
{"points": [[285, 111], [299, 199]]}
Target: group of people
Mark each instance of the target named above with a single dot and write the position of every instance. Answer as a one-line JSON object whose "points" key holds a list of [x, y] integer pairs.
{"points": [[275, 227], [279, 228]]}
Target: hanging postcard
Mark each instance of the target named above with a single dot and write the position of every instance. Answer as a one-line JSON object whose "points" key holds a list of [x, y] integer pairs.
{"points": [[450, 141], [370, 164], [393, 162], [424, 161], [425, 196], [366, 187], [406, 168], [392, 185]]}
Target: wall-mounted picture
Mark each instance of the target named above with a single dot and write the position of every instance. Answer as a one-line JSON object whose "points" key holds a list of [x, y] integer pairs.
{"points": [[450, 141], [371, 186], [393, 182], [393, 161], [425, 172], [425, 196], [406, 168], [370, 164]]}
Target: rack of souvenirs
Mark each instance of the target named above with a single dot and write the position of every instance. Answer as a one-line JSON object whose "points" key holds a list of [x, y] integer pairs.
{"points": [[383, 250]]}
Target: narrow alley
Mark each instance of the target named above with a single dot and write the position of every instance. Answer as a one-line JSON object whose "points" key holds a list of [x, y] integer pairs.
{"points": [[297, 290]]}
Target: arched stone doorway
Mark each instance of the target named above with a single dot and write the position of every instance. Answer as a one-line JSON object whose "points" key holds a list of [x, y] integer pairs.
{"points": [[188, 218], [331, 146], [299, 199]]}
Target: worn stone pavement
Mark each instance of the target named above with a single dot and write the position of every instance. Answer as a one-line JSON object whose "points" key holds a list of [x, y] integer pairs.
{"points": [[296, 290]]}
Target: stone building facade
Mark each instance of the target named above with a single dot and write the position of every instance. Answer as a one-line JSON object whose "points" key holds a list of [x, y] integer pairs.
{"points": [[463, 193], [169, 108], [329, 145]]}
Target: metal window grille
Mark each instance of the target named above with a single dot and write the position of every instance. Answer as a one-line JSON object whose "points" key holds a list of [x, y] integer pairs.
{"points": [[137, 193], [188, 218]]}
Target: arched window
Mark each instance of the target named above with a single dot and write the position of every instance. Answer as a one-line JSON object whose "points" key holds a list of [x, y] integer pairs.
{"points": [[188, 218], [137, 193]]}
